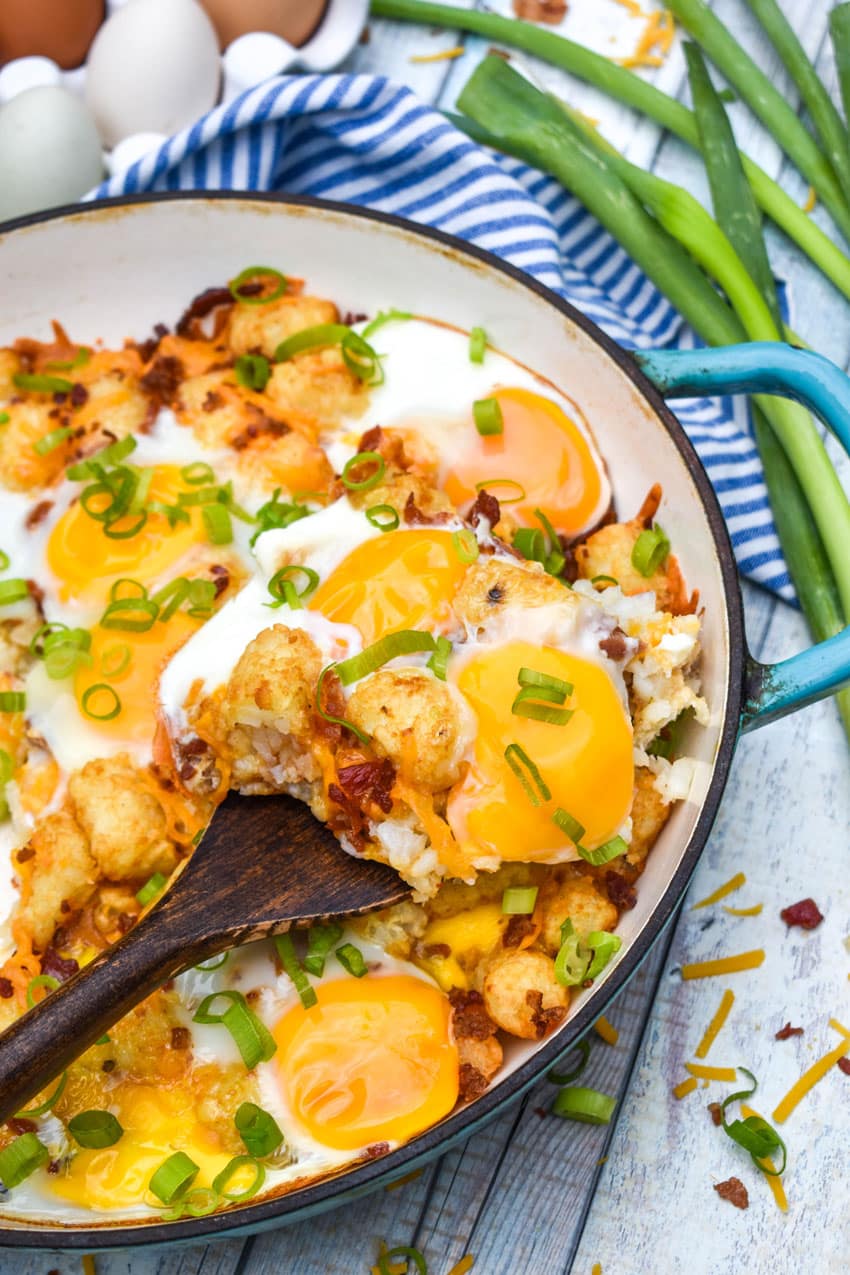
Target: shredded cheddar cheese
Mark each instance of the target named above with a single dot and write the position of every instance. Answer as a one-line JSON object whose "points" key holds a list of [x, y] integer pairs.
{"points": [[684, 1087], [597, 1269], [607, 1031], [655, 41], [810, 1078], [727, 1000], [755, 910], [445, 55], [89, 1267], [634, 8], [734, 883], [704, 1072], [725, 965], [773, 1181], [465, 1264], [811, 200]]}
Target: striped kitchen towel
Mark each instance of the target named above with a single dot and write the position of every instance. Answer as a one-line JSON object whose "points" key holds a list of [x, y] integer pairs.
{"points": [[367, 140]]}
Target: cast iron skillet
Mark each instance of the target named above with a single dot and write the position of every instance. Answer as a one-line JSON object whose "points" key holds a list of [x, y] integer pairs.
{"points": [[755, 694]]}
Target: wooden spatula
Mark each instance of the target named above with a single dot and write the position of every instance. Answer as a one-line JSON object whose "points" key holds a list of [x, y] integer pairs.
{"points": [[263, 864]]}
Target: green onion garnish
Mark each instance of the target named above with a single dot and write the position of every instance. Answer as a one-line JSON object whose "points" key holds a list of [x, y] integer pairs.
{"points": [[277, 513], [127, 587], [568, 825], [7, 770], [405, 642], [12, 701], [465, 545], [67, 365], [544, 681], [604, 946], [329, 717], [113, 700], [531, 543], [4, 418], [125, 532], [588, 1106], [386, 1263], [13, 591], [215, 964], [519, 900], [49, 442], [115, 659], [477, 345], [62, 649], [199, 1202], [526, 704], [4, 560], [519, 761], [357, 354], [198, 472], [253, 1039], [230, 1170], [254, 274], [46, 981], [604, 580], [439, 661], [292, 966], [42, 384], [385, 316], [153, 887], [217, 522], [753, 1134], [21, 1158], [372, 479], [573, 959], [112, 454], [488, 483], [252, 371], [351, 959], [201, 597], [258, 1129], [650, 551], [320, 941], [95, 1128], [384, 517], [487, 415], [604, 854], [567, 1077], [283, 590], [130, 615], [174, 1176], [48, 1104]]}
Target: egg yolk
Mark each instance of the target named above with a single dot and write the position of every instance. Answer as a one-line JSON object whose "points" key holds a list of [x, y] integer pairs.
{"points": [[371, 1062], [157, 1121], [400, 580], [86, 561], [586, 763], [540, 448]]}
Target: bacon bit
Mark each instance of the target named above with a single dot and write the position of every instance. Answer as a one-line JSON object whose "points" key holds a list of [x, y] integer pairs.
{"points": [[716, 1112], [365, 35], [713, 1029], [486, 506], [414, 517], [108, 1064], [221, 578], [544, 1020], [471, 1083], [620, 892], [162, 379], [684, 1087], [734, 883], [261, 423], [470, 1019], [617, 644], [436, 949], [499, 53], [369, 781], [386, 444], [59, 966], [147, 349], [7, 989], [180, 1038], [806, 914], [212, 402], [844, 1065], [79, 395], [38, 513], [188, 325], [734, 1191], [445, 55], [810, 1078], [551, 11], [724, 965], [518, 928], [19, 1124], [787, 1031]]}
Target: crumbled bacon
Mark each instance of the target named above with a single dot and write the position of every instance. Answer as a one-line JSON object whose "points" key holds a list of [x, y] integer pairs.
{"points": [[469, 1017], [180, 1038], [147, 349], [163, 377], [333, 703], [259, 424], [734, 1191], [551, 11], [621, 894], [79, 395], [785, 1032], [38, 513], [414, 516], [189, 323], [60, 967], [517, 928], [367, 781], [19, 1124], [806, 914], [353, 316], [221, 578], [486, 506], [390, 446], [543, 1019], [716, 1113], [212, 402], [434, 949], [7, 989], [617, 645], [471, 1082], [844, 1065]]}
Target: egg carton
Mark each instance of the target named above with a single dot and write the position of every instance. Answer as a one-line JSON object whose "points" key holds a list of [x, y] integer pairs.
{"points": [[247, 62]]}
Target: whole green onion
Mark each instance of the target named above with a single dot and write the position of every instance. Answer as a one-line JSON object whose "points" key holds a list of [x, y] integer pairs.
{"points": [[839, 30]]}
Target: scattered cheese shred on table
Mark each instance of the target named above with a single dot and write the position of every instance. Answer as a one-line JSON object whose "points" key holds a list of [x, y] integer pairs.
{"points": [[734, 883], [655, 41], [810, 1078], [811, 200], [607, 1031], [634, 8], [89, 1267], [755, 910], [685, 1087], [774, 1182], [445, 55], [712, 1031], [465, 1264], [725, 965], [703, 1072], [597, 1269]]}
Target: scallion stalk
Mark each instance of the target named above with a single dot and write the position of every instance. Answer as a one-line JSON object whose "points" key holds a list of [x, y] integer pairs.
{"points": [[839, 32]]}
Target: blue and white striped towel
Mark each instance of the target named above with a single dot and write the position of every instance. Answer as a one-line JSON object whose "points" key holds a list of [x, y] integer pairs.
{"points": [[370, 141]]}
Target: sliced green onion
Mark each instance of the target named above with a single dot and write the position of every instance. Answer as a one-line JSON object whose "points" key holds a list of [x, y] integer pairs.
{"points": [[218, 525], [174, 1176], [519, 761], [385, 316], [253, 1039], [357, 353], [487, 415], [277, 513], [170, 597], [66, 652], [48, 1104], [753, 1134], [80, 359], [202, 596], [567, 1077], [386, 1261], [604, 854], [126, 532], [137, 589], [283, 590], [12, 701], [384, 517], [153, 887], [604, 580], [404, 642], [4, 560], [650, 551], [113, 698], [477, 345], [573, 959], [7, 770], [531, 543], [130, 615], [215, 964], [230, 1170], [198, 472], [42, 384], [199, 1202], [488, 483], [351, 959], [320, 941], [4, 418], [112, 454], [49, 442], [465, 545], [329, 717], [588, 1106], [95, 1128], [21, 1158], [439, 661], [604, 946], [13, 591], [555, 562], [533, 677], [252, 371], [253, 274], [372, 479], [519, 900], [46, 981], [568, 825], [526, 704], [258, 1129], [292, 966], [174, 513]]}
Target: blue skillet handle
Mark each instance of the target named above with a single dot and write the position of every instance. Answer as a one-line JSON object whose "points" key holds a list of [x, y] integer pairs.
{"points": [[767, 367]]}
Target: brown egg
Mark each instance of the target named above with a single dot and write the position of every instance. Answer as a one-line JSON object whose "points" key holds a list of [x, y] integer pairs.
{"points": [[57, 29], [294, 20]]}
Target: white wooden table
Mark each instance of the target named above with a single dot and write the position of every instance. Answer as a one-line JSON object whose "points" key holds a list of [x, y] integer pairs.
{"points": [[534, 1194]]}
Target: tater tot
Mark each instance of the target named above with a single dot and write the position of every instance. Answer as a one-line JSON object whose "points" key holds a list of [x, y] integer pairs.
{"points": [[125, 825], [522, 994]]}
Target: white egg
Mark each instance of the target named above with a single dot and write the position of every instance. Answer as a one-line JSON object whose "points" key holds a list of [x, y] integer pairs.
{"points": [[153, 68], [50, 152]]}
